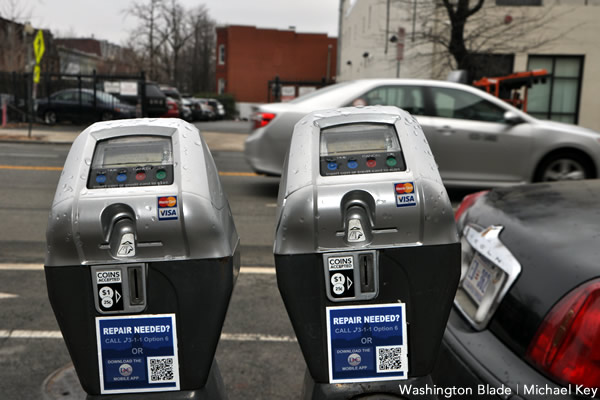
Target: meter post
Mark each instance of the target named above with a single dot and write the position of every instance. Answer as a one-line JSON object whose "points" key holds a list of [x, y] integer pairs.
{"points": [[366, 252], [140, 325]]}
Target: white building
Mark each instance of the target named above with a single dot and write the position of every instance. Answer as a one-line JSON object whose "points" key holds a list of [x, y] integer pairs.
{"points": [[509, 35]]}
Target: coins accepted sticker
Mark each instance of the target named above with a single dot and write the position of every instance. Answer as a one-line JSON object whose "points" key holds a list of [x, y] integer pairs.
{"points": [[367, 343]]}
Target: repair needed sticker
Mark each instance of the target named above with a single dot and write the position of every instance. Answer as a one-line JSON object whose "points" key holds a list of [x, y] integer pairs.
{"points": [[167, 208], [406, 195]]}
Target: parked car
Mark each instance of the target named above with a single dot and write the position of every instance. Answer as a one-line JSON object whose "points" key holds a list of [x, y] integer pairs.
{"points": [[201, 110], [219, 109], [172, 109], [186, 110], [173, 93], [78, 105], [527, 312], [156, 100], [477, 139]]}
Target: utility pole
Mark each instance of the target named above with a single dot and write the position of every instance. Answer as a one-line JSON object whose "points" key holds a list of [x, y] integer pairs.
{"points": [[339, 40]]}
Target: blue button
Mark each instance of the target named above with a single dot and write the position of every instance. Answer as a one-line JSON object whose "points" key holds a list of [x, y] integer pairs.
{"points": [[100, 178], [352, 164], [332, 166], [121, 177]]}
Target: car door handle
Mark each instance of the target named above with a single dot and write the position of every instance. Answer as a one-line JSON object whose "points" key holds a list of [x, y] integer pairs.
{"points": [[446, 130]]}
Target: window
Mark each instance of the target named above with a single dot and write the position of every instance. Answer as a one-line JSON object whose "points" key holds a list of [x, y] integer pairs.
{"points": [[454, 103], [221, 54], [65, 96], [87, 98], [408, 98], [558, 98]]}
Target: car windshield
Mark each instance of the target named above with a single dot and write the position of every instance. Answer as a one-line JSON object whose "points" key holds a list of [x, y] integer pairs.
{"points": [[107, 98]]}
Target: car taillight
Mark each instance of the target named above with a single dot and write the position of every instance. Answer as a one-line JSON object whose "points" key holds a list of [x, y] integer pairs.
{"points": [[262, 119], [567, 344], [467, 202]]}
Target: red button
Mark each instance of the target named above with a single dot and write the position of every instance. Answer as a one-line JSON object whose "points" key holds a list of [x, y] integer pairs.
{"points": [[140, 176], [371, 162]]}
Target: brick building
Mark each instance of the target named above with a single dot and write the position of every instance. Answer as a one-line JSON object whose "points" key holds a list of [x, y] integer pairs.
{"points": [[248, 58]]}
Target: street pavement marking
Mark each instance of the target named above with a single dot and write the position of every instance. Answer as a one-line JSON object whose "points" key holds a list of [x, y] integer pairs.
{"points": [[24, 334], [28, 155], [40, 267], [230, 337], [257, 270], [30, 168], [21, 267], [7, 296], [239, 174], [42, 168]]}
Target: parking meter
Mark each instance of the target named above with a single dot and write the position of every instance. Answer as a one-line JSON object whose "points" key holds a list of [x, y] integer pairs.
{"points": [[142, 259], [366, 251]]}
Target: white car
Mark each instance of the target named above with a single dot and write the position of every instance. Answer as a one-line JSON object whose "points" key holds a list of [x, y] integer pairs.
{"points": [[476, 138]]}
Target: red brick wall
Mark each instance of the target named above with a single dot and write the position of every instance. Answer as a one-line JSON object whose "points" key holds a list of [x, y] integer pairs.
{"points": [[255, 56]]}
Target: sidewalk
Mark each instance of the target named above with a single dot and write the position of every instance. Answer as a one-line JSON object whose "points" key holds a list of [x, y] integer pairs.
{"points": [[66, 134]]}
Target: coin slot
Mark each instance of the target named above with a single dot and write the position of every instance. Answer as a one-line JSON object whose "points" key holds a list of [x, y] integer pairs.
{"points": [[367, 273], [136, 285]]}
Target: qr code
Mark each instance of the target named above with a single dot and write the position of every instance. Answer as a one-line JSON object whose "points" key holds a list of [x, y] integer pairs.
{"points": [[390, 359], [161, 369]]}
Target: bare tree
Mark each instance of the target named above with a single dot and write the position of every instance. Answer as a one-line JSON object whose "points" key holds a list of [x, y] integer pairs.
{"points": [[176, 43], [145, 38], [176, 31], [15, 10], [459, 34], [200, 51]]}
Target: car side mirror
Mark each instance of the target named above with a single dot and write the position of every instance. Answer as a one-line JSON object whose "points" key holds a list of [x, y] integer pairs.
{"points": [[512, 118]]}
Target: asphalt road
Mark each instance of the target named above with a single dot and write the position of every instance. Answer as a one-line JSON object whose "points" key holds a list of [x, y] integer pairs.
{"points": [[258, 355]]}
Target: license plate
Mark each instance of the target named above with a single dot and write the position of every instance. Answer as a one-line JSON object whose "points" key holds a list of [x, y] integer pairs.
{"points": [[479, 277]]}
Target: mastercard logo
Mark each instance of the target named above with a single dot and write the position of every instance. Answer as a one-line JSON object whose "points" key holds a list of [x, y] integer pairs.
{"points": [[404, 188], [170, 201]]}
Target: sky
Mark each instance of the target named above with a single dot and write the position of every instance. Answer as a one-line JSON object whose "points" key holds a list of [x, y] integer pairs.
{"points": [[107, 20]]}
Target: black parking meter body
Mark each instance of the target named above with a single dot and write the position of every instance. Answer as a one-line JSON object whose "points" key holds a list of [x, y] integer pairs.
{"points": [[142, 259], [366, 253]]}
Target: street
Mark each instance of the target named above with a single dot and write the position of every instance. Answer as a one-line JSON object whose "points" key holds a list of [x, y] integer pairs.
{"points": [[258, 355]]}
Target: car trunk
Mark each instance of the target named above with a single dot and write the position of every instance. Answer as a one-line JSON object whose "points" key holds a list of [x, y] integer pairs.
{"points": [[552, 229]]}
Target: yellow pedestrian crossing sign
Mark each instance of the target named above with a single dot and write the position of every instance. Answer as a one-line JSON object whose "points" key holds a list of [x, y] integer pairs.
{"points": [[38, 46]]}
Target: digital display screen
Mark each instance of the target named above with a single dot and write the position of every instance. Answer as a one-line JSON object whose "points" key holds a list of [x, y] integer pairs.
{"points": [[360, 148], [359, 139], [133, 151]]}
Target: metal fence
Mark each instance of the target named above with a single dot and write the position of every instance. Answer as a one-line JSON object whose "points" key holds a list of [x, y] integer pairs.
{"points": [[21, 96]]}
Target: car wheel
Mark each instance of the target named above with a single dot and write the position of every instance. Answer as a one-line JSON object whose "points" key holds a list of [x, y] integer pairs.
{"points": [[106, 116], [50, 117], [565, 166]]}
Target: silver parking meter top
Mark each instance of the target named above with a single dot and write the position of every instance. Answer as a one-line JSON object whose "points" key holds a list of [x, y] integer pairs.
{"points": [[361, 178], [137, 191]]}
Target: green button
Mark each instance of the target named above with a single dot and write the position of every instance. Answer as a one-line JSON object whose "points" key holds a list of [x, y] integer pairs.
{"points": [[391, 161], [161, 174]]}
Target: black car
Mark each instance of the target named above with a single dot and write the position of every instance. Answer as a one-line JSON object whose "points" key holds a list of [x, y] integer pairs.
{"points": [[156, 100], [79, 106], [526, 317]]}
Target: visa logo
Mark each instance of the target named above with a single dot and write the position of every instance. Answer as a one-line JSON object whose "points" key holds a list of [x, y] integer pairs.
{"points": [[406, 200], [167, 213]]}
